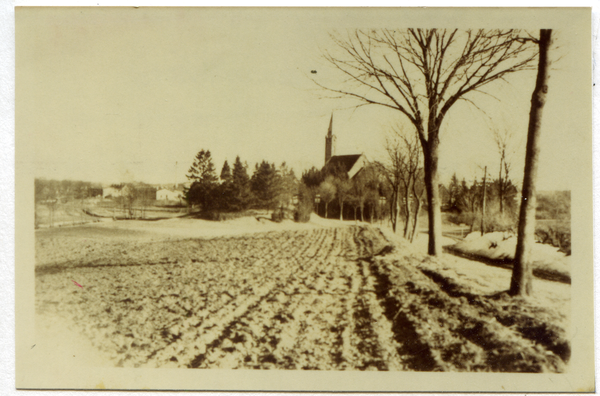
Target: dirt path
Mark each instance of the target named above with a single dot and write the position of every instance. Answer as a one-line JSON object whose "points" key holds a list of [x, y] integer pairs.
{"points": [[319, 299]]}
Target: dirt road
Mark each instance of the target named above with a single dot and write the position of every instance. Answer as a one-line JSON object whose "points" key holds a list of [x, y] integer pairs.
{"points": [[323, 299]]}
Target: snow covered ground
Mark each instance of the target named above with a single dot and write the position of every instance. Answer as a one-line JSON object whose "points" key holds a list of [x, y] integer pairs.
{"points": [[249, 293]]}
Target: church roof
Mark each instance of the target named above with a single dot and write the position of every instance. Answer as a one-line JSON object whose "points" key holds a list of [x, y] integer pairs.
{"points": [[347, 161]]}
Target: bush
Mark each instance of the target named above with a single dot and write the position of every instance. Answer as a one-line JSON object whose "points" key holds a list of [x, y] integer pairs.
{"points": [[557, 235], [462, 218], [494, 221], [214, 215], [277, 216], [305, 204], [302, 214]]}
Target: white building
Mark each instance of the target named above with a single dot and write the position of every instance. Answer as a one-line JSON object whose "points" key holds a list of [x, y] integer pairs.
{"points": [[110, 192], [169, 195]]}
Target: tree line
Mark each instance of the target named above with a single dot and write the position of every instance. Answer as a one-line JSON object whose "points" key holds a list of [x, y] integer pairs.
{"points": [[46, 190], [465, 202], [270, 187]]}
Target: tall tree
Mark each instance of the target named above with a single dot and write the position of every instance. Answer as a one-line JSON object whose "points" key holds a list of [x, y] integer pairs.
{"points": [[223, 193], [409, 157], [225, 173], [454, 191], [483, 201], [240, 199], [521, 283], [204, 179], [401, 170], [265, 185], [129, 195], [422, 73], [288, 184], [502, 138], [312, 178], [418, 191]]}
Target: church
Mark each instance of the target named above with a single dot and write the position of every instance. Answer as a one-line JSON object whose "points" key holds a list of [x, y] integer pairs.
{"points": [[351, 163]]}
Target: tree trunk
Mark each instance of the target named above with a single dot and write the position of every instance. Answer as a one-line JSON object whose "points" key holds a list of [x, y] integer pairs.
{"points": [[501, 187], [434, 211], [396, 205], [362, 212], [407, 211], [414, 230], [483, 203], [393, 208], [521, 282], [326, 204], [342, 210]]}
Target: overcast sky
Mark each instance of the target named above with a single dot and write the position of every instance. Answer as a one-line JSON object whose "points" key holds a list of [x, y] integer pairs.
{"points": [[110, 95]]}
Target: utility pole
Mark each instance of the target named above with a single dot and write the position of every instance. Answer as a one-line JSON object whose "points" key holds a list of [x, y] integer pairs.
{"points": [[483, 203]]}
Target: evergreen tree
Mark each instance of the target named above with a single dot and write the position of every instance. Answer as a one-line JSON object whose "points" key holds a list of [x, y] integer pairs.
{"points": [[240, 198], [226, 173], [204, 180], [288, 184], [223, 193], [312, 178], [305, 204], [265, 184], [454, 191]]}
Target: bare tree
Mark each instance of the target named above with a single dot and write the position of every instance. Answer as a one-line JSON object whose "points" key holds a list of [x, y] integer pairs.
{"points": [[401, 170], [521, 283], [363, 184], [422, 73], [129, 195], [327, 191], [391, 171], [409, 169], [344, 189], [418, 192], [502, 138]]}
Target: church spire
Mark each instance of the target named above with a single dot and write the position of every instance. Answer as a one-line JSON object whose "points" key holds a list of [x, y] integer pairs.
{"points": [[329, 141]]}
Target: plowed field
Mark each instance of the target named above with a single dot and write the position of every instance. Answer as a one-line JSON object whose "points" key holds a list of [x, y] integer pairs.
{"points": [[322, 299]]}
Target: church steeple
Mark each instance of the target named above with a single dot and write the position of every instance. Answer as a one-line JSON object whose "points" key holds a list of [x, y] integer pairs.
{"points": [[329, 141]]}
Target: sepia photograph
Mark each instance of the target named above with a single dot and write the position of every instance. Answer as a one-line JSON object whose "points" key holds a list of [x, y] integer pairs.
{"points": [[304, 199]]}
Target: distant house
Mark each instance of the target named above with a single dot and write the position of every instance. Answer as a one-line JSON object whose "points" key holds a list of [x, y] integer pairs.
{"points": [[111, 192], [169, 195]]}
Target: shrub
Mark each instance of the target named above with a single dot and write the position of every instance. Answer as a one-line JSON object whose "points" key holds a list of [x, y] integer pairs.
{"points": [[281, 214], [214, 215], [302, 214], [557, 235], [305, 205], [468, 218], [494, 221]]}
